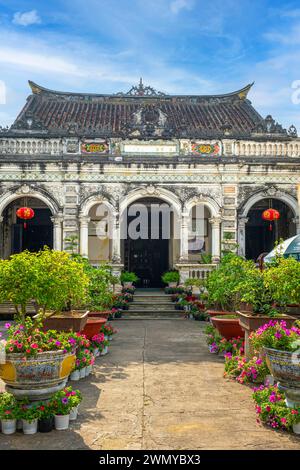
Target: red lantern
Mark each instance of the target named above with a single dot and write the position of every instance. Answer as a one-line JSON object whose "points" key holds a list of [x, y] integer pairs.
{"points": [[271, 215], [25, 213]]}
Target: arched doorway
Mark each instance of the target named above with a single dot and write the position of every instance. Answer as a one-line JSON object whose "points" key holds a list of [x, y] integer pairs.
{"points": [[259, 237], [148, 245], [37, 234]]}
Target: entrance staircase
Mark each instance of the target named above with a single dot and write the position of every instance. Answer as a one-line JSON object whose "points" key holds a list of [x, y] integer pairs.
{"points": [[152, 304]]}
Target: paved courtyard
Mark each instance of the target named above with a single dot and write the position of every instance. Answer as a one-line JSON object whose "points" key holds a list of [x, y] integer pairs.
{"points": [[159, 388]]}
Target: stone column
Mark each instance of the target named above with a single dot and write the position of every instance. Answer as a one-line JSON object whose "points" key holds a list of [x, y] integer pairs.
{"points": [[57, 232], [242, 235], [216, 242], [84, 236], [184, 238], [116, 241], [298, 215], [1, 238]]}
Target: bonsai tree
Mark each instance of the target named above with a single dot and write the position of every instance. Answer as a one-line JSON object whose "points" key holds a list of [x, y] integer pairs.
{"points": [[282, 279], [170, 277], [51, 279], [127, 276], [222, 283], [253, 289], [101, 287]]}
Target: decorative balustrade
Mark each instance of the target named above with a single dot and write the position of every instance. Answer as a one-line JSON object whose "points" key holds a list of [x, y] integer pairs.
{"points": [[268, 149], [194, 271], [25, 146]]}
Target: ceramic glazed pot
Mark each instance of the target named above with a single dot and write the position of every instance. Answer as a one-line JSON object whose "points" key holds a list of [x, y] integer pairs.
{"points": [[30, 427], [74, 413], [9, 426], [61, 422], [228, 327], [285, 368], [251, 323], [93, 326], [38, 377]]}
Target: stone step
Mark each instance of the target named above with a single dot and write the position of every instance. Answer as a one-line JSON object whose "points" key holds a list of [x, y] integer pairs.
{"points": [[151, 306], [147, 298], [138, 312], [155, 302], [148, 317]]}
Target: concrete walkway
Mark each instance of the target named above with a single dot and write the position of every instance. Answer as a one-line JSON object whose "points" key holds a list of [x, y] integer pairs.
{"points": [[159, 388]]}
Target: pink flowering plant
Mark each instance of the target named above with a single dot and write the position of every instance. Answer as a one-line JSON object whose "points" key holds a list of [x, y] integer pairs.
{"points": [[29, 339], [243, 371], [75, 396], [97, 340], [276, 335], [218, 344], [8, 406], [108, 330], [29, 412], [61, 402], [272, 410]]}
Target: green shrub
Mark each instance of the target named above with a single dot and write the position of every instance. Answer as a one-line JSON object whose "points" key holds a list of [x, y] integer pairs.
{"points": [[170, 276]]}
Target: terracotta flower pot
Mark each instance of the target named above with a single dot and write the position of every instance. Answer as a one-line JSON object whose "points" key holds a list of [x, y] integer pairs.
{"points": [[228, 327], [66, 321], [100, 314], [214, 313], [251, 323], [93, 326]]}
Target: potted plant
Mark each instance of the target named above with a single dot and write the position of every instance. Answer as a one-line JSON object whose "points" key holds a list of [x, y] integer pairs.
{"points": [[49, 278], [75, 398], [29, 352], [128, 278], [261, 290], [100, 290], [171, 278], [96, 343], [8, 413], [196, 285], [281, 346], [221, 287], [46, 417], [61, 405], [30, 414]]}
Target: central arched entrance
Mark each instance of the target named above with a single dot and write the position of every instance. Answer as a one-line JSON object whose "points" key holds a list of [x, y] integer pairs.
{"points": [[37, 234], [148, 240]]}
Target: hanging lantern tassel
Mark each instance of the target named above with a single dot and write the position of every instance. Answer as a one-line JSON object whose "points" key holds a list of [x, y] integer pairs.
{"points": [[25, 213], [271, 215]]}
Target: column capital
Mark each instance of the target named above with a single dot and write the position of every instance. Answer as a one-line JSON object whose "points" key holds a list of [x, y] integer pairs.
{"points": [[216, 221], [57, 219], [84, 220], [243, 220]]}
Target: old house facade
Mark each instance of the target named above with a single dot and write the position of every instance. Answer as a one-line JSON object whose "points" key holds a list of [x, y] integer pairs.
{"points": [[68, 153]]}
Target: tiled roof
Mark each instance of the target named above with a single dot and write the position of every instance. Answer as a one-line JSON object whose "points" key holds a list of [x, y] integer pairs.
{"points": [[142, 112]]}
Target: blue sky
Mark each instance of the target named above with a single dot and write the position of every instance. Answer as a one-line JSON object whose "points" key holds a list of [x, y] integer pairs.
{"points": [[177, 46]]}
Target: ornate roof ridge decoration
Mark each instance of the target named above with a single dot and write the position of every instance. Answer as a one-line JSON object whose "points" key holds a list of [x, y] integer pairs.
{"points": [[140, 90]]}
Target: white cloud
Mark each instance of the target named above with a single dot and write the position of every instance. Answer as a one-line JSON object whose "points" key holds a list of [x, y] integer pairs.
{"points": [[27, 18], [177, 5]]}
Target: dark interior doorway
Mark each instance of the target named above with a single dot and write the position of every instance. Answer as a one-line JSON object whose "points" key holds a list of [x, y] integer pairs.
{"points": [[259, 238], [148, 258]]}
